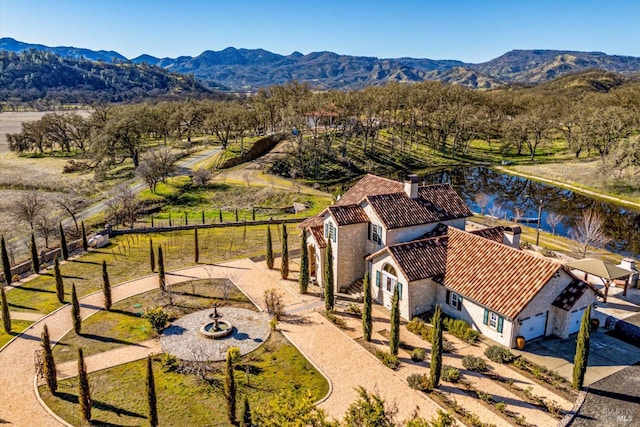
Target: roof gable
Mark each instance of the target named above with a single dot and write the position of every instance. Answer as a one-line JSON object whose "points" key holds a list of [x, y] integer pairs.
{"points": [[369, 185], [494, 275], [348, 214]]}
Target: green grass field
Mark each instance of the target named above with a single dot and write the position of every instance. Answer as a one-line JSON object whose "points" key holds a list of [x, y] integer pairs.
{"points": [[119, 396], [17, 326]]}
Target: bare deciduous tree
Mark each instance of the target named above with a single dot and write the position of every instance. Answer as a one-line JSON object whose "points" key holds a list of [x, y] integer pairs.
{"points": [[553, 219], [496, 211], [588, 231], [201, 176], [71, 202], [156, 165], [45, 224], [482, 200], [27, 208], [122, 206]]}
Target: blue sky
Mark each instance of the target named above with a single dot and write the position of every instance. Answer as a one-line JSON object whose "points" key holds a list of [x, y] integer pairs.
{"points": [[471, 31]]}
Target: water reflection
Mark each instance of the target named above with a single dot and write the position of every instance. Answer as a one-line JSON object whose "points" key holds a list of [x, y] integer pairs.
{"points": [[512, 192]]}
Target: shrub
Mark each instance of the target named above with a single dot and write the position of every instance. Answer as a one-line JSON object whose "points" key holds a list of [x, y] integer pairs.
{"points": [[389, 360], [419, 382], [273, 302], [501, 406], [484, 396], [417, 355], [498, 354], [354, 309], [157, 318], [450, 374], [338, 321], [473, 363], [520, 363], [461, 329], [169, 362], [273, 323], [447, 346], [420, 328]]}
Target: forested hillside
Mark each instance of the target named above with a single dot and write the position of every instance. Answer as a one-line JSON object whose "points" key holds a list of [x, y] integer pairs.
{"points": [[39, 75]]}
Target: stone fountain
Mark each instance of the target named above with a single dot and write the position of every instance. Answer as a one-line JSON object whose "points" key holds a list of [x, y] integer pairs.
{"points": [[218, 328]]}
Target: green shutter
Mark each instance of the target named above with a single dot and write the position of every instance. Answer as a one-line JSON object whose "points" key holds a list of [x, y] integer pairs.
{"points": [[335, 231], [399, 290], [486, 316], [500, 322], [326, 231], [459, 302], [448, 296], [378, 278]]}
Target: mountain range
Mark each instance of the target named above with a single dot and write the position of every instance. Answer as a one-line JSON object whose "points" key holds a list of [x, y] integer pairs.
{"points": [[250, 69]]}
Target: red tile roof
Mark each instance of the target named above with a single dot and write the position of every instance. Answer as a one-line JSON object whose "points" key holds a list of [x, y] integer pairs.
{"points": [[420, 259], [369, 185], [492, 233], [318, 234], [449, 204], [348, 214], [494, 275], [571, 294]]}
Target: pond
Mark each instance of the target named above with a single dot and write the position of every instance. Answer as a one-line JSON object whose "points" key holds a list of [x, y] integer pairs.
{"points": [[513, 193]]}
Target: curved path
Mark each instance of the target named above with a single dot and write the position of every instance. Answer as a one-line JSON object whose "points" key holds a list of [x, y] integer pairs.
{"points": [[345, 363]]}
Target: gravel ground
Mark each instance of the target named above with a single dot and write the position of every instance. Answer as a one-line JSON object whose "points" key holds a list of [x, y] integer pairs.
{"points": [[183, 340], [613, 401]]}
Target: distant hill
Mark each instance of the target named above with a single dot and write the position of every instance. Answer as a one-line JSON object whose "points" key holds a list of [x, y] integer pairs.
{"points": [[249, 69], [42, 75]]}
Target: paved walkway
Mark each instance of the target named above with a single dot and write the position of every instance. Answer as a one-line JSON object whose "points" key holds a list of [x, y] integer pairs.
{"points": [[346, 364]]}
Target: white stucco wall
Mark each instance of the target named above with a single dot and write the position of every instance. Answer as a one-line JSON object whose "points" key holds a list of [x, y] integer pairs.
{"points": [[405, 234], [380, 295], [319, 256], [349, 253]]}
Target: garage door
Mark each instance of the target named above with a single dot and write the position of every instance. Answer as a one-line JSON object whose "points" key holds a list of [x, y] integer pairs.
{"points": [[574, 320], [534, 326]]}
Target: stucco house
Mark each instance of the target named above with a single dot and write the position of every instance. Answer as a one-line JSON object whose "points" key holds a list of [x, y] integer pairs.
{"points": [[411, 238]]}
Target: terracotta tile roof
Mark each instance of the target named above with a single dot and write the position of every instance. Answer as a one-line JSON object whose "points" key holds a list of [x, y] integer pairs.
{"points": [[497, 276], [445, 198], [348, 214], [318, 234], [313, 221], [570, 294], [420, 259], [439, 230], [369, 185], [492, 233]]}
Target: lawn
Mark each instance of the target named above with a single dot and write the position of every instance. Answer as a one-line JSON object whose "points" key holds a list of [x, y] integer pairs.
{"points": [[119, 395], [128, 258], [17, 326], [124, 325]]}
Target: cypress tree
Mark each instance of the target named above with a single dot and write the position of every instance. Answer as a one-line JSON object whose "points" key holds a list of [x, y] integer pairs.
{"points": [[75, 310], [582, 350], [284, 266], [59, 281], [161, 277], [151, 394], [394, 335], [63, 243], [304, 264], [6, 265], [328, 277], [152, 256], [49, 364], [6, 316], [269, 249], [366, 308], [106, 286], [85, 244], [436, 347], [230, 389], [196, 249], [246, 413], [35, 261], [84, 392]]}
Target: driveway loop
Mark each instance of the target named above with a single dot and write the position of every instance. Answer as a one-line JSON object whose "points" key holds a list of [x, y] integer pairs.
{"points": [[183, 340]]}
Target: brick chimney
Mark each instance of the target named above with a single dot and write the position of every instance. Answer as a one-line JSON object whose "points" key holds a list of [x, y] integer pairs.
{"points": [[512, 236], [411, 186]]}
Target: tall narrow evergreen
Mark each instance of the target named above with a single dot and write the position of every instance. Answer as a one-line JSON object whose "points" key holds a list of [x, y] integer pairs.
{"points": [[436, 347], [151, 394], [6, 265], [6, 316], [35, 261], [106, 286], [582, 350], [269, 249], [152, 256], [394, 334], [196, 249], [230, 389], [284, 266], [48, 363], [84, 392], [85, 244], [328, 277], [59, 281], [304, 264], [366, 307], [246, 413], [75, 310], [63, 243], [161, 277]]}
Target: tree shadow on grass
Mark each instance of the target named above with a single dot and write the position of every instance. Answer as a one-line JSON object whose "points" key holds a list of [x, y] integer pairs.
{"points": [[24, 288], [126, 313], [87, 262], [24, 307], [103, 406], [101, 338], [64, 276]]}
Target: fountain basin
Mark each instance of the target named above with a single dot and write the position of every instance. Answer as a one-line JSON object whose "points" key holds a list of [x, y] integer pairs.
{"points": [[224, 329]]}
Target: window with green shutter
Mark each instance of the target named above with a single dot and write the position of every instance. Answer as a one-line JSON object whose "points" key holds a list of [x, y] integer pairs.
{"points": [[399, 291], [378, 278], [486, 316], [500, 323]]}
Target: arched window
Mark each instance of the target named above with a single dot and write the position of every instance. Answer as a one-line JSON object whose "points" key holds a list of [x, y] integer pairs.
{"points": [[389, 278], [389, 269]]}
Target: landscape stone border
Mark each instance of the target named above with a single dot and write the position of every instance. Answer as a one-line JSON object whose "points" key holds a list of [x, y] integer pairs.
{"points": [[183, 340]]}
